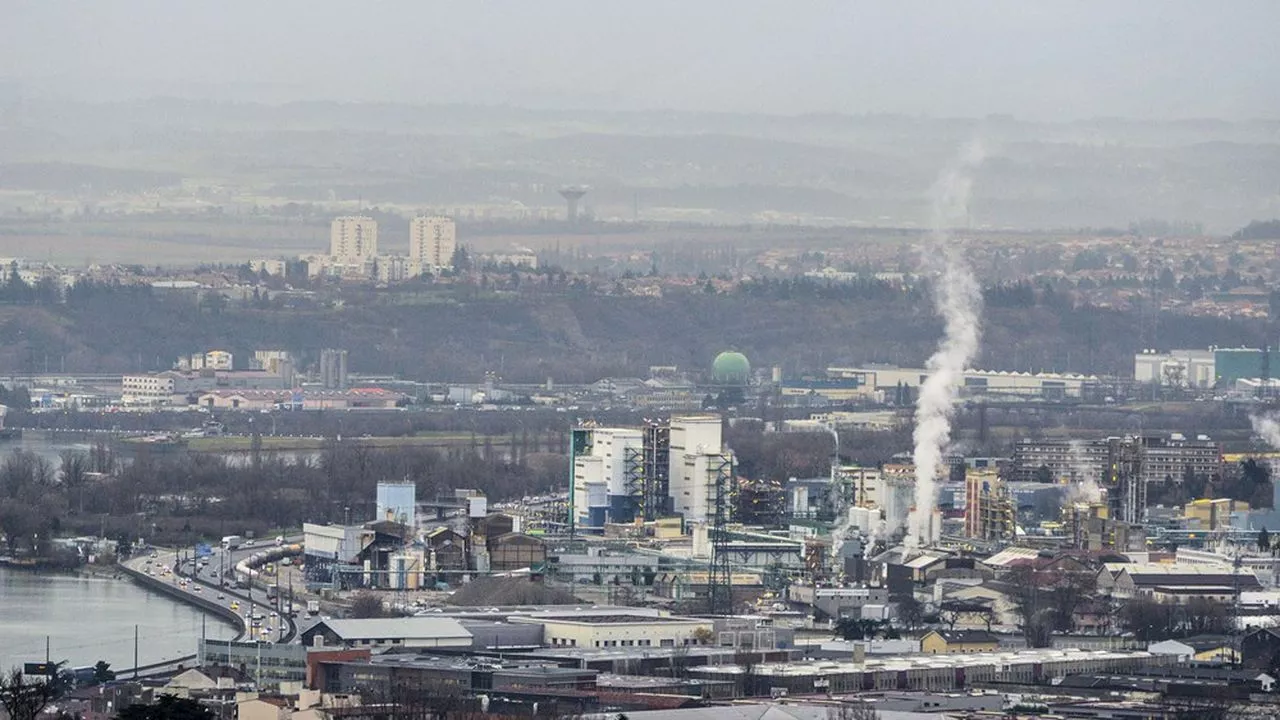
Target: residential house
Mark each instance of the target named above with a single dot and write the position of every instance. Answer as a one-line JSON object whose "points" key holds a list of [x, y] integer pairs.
{"points": [[952, 642], [1260, 649]]}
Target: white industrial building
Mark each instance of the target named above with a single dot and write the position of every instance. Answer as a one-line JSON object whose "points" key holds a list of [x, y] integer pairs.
{"points": [[973, 382], [600, 474], [700, 466], [148, 388], [397, 503], [1176, 368], [609, 475]]}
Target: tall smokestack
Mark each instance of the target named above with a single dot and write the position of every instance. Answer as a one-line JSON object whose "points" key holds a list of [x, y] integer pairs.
{"points": [[958, 299]]}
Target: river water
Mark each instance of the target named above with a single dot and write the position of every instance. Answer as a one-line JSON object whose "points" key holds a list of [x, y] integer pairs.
{"points": [[87, 619]]}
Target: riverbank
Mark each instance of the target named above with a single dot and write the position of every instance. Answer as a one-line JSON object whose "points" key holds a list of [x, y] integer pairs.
{"points": [[241, 443], [45, 566]]}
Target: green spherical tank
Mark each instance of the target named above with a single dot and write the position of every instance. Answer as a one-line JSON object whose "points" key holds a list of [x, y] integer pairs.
{"points": [[731, 368]]}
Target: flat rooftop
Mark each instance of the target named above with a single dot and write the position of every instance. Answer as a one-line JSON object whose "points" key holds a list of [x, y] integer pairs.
{"points": [[929, 661], [589, 619], [584, 654]]}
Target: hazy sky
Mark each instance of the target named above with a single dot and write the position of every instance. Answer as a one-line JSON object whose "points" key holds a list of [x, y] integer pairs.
{"points": [[1034, 58]]}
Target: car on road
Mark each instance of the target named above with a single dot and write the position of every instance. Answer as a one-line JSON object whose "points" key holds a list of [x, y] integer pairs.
{"points": [[195, 587], [221, 596], [235, 605]]}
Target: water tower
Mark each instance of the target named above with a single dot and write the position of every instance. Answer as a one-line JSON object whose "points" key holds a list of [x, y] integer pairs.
{"points": [[572, 194]]}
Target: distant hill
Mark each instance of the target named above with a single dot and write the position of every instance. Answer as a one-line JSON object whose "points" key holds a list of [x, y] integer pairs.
{"points": [[72, 178], [457, 335], [1258, 230]]}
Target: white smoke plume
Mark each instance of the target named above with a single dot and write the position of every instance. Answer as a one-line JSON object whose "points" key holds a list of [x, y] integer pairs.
{"points": [[839, 535], [1268, 428], [1084, 481], [958, 299]]}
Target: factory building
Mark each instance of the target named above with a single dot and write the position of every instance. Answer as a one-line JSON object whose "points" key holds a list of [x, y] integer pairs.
{"points": [[941, 672], [601, 489], [1205, 369], [701, 469], [396, 503], [1176, 368], [989, 508], [1053, 386], [680, 466], [412, 632], [590, 630], [1124, 466], [1233, 364]]}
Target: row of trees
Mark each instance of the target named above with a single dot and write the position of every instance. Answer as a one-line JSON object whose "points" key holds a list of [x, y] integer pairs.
{"points": [[1046, 601], [181, 497]]}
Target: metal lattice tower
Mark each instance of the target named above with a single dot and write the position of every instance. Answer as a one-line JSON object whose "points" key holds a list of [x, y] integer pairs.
{"points": [[1126, 489], [633, 478], [719, 502], [656, 484]]}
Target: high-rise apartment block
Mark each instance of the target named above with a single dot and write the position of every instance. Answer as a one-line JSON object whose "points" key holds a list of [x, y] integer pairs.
{"points": [[353, 250], [432, 242], [353, 237]]}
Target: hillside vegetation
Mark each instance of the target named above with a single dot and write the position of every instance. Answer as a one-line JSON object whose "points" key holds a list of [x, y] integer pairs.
{"points": [[457, 334]]}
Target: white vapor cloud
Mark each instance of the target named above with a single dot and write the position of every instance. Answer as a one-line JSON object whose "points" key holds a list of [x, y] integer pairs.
{"points": [[958, 299]]}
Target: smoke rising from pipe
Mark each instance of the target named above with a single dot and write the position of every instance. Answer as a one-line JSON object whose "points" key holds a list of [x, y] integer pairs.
{"points": [[1084, 483], [958, 299], [1267, 427]]}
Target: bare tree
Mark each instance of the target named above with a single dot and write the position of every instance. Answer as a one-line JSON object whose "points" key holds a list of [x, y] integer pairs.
{"points": [[367, 604], [21, 698], [911, 611], [1199, 708], [680, 661], [747, 659]]}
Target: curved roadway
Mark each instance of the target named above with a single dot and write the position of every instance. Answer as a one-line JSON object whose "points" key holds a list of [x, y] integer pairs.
{"points": [[258, 617]]}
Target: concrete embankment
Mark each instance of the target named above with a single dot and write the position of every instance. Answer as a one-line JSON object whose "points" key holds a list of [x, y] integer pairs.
{"points": [[222, 613]]}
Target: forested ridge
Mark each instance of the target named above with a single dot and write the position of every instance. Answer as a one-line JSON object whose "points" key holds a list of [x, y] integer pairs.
{"points": [[580, 335]]}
